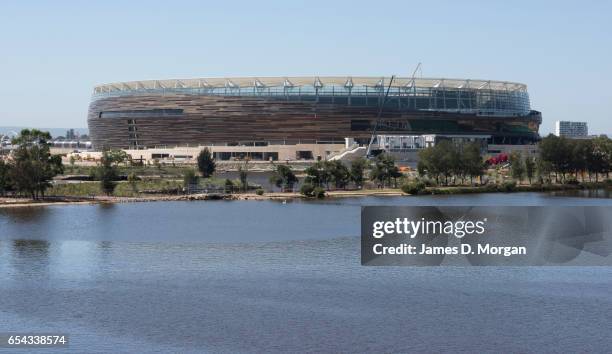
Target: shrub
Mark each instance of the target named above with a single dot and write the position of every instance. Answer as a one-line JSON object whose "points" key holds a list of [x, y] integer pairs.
{"points": [[507, 186], [440, 191], [229, 185], [311, 191], [259, 191], [107, 174], [490, 188], [416, 187], [94, 175], [307, 190], [572, 181], [428, 182], [190, 178], [319, 192]]}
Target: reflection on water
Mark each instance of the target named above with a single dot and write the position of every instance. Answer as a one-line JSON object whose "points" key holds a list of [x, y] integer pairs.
{"points": [[31, 248], [585, 193], [271, 277], [29, 257], [24, 215]]}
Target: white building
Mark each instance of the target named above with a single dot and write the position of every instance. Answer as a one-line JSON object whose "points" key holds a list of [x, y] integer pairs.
{"points": [[571, 129]]}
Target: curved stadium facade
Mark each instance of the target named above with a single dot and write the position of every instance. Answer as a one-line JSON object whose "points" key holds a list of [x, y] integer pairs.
{"points": [[148, 114]]}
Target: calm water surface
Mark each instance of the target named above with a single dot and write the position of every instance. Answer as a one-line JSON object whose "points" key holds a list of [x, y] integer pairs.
{"points": [[262, 276]]}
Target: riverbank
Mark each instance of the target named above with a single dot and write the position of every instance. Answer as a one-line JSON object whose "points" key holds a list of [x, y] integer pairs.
{"points": [[24, 202], [7, 202], [508, 187]]}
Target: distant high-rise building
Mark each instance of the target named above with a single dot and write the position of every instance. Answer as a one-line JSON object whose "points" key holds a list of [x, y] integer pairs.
{"points": [[70, 134], [571, 129]]}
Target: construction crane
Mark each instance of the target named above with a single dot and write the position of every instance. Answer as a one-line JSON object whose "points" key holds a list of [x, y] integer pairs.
{"points": [[380, 110], [418, 68], [384, 101]]}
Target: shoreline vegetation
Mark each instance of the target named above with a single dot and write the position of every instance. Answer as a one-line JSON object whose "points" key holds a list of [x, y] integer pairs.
{"points": [[15, 202], [31, 175]]}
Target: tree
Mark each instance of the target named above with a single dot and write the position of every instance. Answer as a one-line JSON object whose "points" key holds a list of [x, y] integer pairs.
{"points": [[438, 161], [357, 173], [384, 170], [117, 156], [566, 155], [206, 164], [32, 166], [448, 158], [558, 152], [543, 169], [607, 156], [318, 175], [422, 167], [602, 156], [133, 181], [5, 182], [107, 174], [471, 161], [455, 159], [243, 175], [530, 167], [339, 173], [283, 177], [581, 149], [72, 162], [517, 168]]}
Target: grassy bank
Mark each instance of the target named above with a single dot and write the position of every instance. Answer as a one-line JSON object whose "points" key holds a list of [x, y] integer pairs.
{"points": [[164, 186], [152, 186], [89, 192], [163, 171], [178, 170], [510, 187]]}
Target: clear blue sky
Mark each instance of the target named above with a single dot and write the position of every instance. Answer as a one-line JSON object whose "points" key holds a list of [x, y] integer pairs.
{"points": [[52, 53]]}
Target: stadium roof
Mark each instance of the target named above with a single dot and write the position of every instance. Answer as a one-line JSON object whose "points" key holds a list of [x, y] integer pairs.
{"points": [[314, 81]]}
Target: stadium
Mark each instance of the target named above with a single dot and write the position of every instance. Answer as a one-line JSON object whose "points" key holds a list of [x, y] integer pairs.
{"points": [[260, 112]]}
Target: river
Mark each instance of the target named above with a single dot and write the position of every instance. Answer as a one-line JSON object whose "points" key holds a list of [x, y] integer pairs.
{"points": [[263, 276]]}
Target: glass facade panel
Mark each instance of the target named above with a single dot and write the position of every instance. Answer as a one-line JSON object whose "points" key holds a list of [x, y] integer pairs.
{"points": [[481, 101]]}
